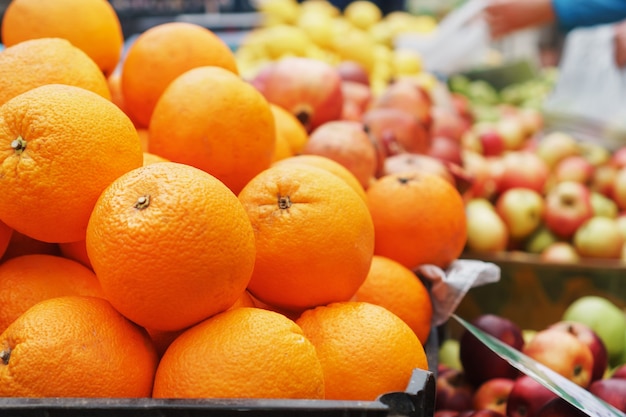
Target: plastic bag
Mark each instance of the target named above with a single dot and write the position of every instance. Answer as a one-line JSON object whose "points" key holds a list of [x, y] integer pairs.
{"points": [[589, 98]]}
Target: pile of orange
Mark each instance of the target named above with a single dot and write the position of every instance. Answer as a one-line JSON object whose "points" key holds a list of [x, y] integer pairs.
{"points": [[162, 235]]}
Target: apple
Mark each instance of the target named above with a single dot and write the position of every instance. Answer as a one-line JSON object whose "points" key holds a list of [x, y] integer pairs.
{"points": [[446, 149], [448, 354], [447, 123], [512, 131], [590, 338], [618, 158], [532, 120], [573, 168], [522, 211], [603, 205], [558, 407], [555, 146], [540, 239], [446, 413], [357, 93], [526, 397], [493, 394], [404, 128], [619, 372], [479, 362], [453, 391], [560, 252], [596, 154], [603, 317], [307, 87], [599, 237], [568, 205], [484, 184], [603, 179], [353, 71], [528, 334], [562, 352], [486, 231], [621, 223], [612, 391], [491, 142], [523, 169], [481, 413], [618, 191]]}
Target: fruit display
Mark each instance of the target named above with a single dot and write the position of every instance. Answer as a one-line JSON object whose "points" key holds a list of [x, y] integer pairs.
{"points": [[585, 345]]}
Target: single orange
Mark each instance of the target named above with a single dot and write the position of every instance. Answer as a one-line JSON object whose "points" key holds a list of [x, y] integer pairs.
{"points": [[41, 61], [212, 119], [419, 218], [282, 149], [241, 353], [91, 25], [76, 346], [171, 245], [394, 286], [365, 349], [60, 146], [25, 280], [150, 158], [331, 165], [5, 237], [314, 236], [290, 128], [162, 53]]}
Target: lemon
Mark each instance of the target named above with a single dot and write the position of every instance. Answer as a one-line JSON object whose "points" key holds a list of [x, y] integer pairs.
{"points": [[356, 45], [275, 12], [406, 62], [318, 26], [283, 40], [362, 14], [322, 6]]}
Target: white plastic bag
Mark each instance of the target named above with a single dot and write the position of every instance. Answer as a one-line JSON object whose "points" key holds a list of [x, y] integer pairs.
{"points": [[589, 98]]}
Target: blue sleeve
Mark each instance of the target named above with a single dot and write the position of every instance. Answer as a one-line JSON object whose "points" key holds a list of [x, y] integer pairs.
{"points": [[576, 13]]}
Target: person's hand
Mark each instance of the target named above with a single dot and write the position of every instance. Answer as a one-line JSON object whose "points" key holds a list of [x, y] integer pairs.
{"points": [[507, 16], [620, 44]]}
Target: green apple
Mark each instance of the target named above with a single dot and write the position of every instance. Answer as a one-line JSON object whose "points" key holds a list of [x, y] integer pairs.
{"points": [[605, 318], [449, 354]]}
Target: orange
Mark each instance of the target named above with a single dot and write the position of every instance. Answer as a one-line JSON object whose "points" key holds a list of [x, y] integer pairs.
{"points": [[212, 119], [60, 146], [282, 149], [76, 346], [288, 125], [329, 165], [171, 245], [241, 353], [163, 338], [419, 218], [314, 236], [25, 280], [37, 62], [20, 244], [76, 251], [5, 237], [392, 285], [365, 350], [162, 53], [91, 25]]}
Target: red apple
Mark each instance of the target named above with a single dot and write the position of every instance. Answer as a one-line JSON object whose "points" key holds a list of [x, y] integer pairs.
{"points": [[446, 413], [560, 252], [353, 71], [512, 131], [532, 120], [307, 87], [618, 158], [558, 407], [454, 392], [526, 397], [397, 130], [562, 352], [590, 338], [522, 211], [619, 372], [479, 362], [523, 169], [599, 237], [446, 149], [346, 142], [574, 168], [603, 179], [611, 390], [493, 394], [555, 146], [618, 191], [491, 142], [568, 206]]}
